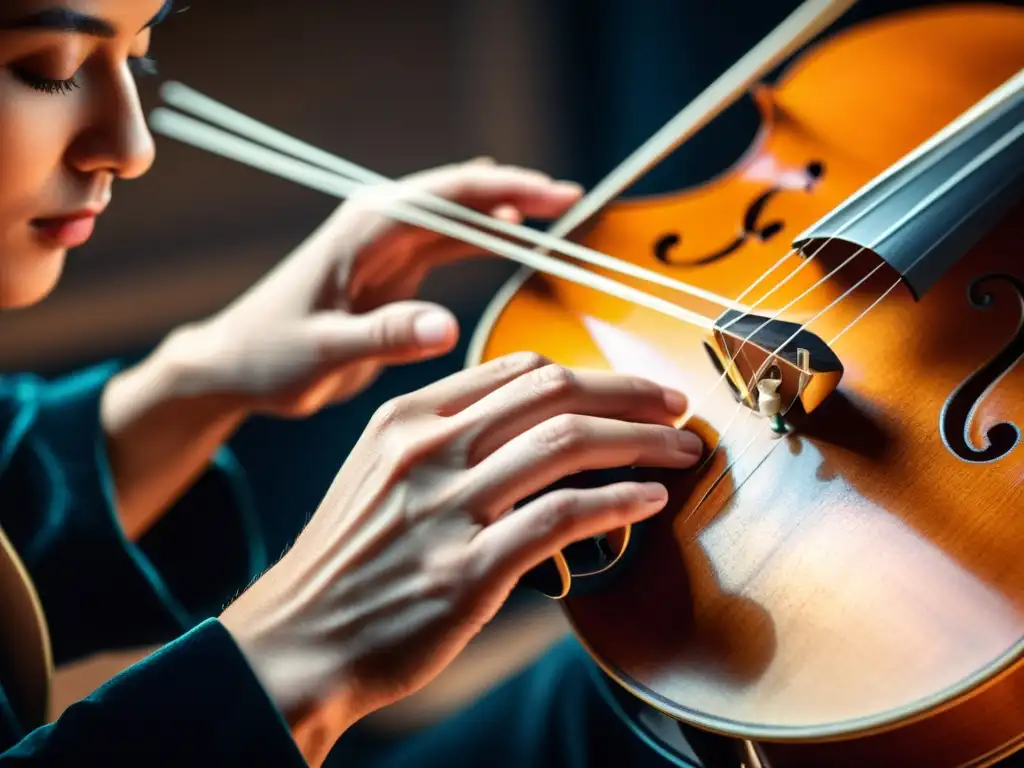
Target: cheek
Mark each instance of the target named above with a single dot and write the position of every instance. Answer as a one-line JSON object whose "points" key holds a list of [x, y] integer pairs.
{"points": [[34, 134]]}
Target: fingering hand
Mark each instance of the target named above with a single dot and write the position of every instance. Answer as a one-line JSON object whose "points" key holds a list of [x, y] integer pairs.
{"points": [[419, 541]]}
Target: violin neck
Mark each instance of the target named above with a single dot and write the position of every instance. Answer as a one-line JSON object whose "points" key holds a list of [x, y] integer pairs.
{"points": [[922, 216]]}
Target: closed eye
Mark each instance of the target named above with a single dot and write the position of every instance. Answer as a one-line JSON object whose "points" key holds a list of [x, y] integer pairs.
{"points": [[141, 66]]}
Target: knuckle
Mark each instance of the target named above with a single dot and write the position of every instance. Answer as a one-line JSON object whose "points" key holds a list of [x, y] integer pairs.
{"points": [[562, 433], [644, 388], [559, 513], [391, 414], [620, 500], [667, 439], [390, 332], [553, 381]]}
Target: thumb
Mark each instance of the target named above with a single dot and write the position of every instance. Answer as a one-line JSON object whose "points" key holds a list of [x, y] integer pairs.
{"points": [[401, 332]]}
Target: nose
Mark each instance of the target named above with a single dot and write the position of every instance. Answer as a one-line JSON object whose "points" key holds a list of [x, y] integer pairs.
{"points": [[115, 137]]}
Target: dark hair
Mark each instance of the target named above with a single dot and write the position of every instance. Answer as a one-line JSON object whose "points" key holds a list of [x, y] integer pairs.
{"points": [[162, 14]]}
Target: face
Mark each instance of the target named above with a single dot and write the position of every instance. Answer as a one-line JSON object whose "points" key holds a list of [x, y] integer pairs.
{"points": [[70, 124]]}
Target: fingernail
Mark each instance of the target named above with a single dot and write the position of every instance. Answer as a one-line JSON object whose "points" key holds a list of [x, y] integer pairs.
{"points": [[432, 328], [690, 443], [675, 401], [570, 186], [653, 492]]}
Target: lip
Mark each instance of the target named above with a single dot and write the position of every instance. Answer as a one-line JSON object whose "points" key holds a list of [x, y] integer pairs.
{"points": [[68, 230]]}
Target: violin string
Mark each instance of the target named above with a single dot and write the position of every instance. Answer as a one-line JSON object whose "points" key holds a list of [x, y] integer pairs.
{"points": [[384, 198], [765, 366], [870, 307], [946, 140], [764, 427], [721, 475], [935, 195], [220, 142], [930, 199], [190, 100], [953, 142], [922, 205]]}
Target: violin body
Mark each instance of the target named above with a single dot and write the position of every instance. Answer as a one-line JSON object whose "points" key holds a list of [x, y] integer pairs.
{"points": [[851, 592]]}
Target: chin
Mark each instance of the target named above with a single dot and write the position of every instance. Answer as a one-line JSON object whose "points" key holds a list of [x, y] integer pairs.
{"points": [[23, 285]]}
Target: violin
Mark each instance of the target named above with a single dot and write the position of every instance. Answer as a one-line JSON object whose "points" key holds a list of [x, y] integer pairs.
{"points": [[842, 581]]}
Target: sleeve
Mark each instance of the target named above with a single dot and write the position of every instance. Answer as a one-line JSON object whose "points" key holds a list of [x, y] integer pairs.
{"points": [[100, 591], [193, 702]]}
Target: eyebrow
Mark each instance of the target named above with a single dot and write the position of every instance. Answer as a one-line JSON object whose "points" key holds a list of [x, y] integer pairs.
{"points": [[62, 20], [66, 20]]}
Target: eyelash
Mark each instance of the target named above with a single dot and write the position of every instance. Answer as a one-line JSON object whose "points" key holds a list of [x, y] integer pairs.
{"points": [[141, 66]]}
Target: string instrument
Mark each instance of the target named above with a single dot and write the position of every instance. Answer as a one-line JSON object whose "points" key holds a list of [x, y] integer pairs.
{"points": [[842, 582]]}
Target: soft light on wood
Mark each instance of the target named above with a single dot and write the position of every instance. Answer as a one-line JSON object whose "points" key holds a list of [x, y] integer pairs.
{"points": [[852, 594]]}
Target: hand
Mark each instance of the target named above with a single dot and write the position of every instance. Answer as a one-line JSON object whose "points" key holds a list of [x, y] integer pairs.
{"points": [[321, 326], [414, 547]]}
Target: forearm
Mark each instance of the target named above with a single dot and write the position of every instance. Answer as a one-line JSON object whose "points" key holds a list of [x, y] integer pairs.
{"points": [[163, 420]]}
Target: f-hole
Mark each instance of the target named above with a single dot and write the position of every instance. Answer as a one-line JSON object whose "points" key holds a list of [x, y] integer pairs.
{"points": [[959, 411], [751, 226]]}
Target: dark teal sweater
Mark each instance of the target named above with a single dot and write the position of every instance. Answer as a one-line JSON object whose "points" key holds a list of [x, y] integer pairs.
{"points": [[196, 701]]}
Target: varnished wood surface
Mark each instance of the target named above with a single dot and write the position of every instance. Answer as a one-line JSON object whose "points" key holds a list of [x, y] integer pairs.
{"points": [[856, 577]]}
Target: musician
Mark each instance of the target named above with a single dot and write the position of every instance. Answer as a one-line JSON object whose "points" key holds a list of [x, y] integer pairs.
{"points": [[115, 480]]}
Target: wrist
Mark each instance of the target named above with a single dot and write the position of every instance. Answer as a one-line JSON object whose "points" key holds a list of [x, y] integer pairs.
{"points": [[191, 363], [162, 422], [298, 668], [181, 368]]}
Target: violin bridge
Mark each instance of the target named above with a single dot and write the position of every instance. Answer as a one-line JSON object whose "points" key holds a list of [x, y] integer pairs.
{"points": [[773, 365]]}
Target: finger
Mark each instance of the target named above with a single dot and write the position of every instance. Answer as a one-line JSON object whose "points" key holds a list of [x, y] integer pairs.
{"points": [[507, 213], [444, 250], [551, 390], [485, 187], [453, 393], [403, 331], [529, 536], [565, 445]]}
